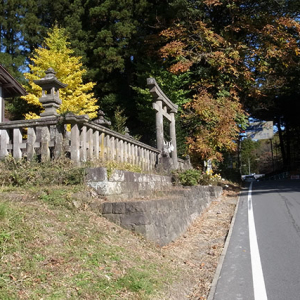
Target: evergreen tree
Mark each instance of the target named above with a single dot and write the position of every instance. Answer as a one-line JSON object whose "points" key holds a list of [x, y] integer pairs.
{"points": [[11, 42], [77, 96], [23, 25]]}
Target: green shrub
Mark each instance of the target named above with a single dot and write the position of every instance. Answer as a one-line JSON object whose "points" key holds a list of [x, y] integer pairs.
{"points": [[189, 177], [21, 172], [193, 177]]}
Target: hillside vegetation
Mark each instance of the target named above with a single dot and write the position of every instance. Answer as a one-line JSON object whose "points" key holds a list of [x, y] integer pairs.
{"points": [[54, 244], [51, 250]]}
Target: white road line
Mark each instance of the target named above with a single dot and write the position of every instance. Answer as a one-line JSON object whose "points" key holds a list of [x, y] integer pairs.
{"points": [[257, 273]]}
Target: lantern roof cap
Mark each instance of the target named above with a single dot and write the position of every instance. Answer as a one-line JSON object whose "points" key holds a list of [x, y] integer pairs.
{"points": [[50, 80]]}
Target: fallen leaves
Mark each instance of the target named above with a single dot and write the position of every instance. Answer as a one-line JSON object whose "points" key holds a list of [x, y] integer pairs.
{"points": [[199, 249]]}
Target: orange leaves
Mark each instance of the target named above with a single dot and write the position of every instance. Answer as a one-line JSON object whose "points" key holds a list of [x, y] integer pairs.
{"points": [[215, 123], [213, 112], [173, 32], [289, 23], [277, 41], [212, 2], [173, 49], [181, 67]]}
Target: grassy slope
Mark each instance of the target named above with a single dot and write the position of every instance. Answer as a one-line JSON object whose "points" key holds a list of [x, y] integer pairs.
{"points": [[51, 250], [53, 246]]}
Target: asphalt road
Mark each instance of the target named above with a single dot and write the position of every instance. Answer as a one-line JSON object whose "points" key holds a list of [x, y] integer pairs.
{"points": [[262, 260]]}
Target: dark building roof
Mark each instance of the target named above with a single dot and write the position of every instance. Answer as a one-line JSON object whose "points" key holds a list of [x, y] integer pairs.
{"points": [[10, 87]]}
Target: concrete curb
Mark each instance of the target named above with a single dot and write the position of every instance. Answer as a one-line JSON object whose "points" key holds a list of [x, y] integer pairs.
{"points": [[222, 257]]}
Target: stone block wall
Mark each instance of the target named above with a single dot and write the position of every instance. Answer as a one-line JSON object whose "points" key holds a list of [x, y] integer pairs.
{"points": [[161, 218], [123, 185]]}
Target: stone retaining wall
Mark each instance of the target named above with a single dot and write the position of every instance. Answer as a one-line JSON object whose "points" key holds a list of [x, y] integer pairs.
{"points": [[160, 220], [124, 185]]}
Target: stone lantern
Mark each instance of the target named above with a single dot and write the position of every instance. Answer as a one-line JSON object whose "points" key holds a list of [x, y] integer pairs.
{"points": [[50, 93]]}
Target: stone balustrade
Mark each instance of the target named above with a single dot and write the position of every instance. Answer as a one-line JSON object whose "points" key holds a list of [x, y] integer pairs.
{"points": [[48, 138]]}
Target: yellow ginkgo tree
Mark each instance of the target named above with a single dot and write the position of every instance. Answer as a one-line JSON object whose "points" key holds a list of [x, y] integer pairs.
{"points": [[77, 97]]}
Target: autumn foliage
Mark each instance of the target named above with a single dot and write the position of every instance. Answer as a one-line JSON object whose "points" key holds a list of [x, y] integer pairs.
{"points": [[236, 54], [77, 96], [215, 111]]}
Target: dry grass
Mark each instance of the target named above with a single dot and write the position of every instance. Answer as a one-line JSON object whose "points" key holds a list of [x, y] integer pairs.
{"points": [[197, 252], [54, 251]]}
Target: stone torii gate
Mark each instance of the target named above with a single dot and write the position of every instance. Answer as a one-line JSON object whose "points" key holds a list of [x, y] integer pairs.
{"points": [[164, 108]]}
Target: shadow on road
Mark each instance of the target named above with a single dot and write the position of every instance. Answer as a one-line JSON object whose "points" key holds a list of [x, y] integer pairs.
{"points": [[265, 187]]}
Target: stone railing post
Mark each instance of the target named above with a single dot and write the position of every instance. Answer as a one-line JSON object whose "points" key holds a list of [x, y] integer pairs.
{"points": [[31, 138], [17, 141], [4, 140], [45, 140]]}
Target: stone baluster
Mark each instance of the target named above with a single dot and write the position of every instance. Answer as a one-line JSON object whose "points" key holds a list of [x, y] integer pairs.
{"points": [[130, 153], [90, 144], [58, 141], [83, 144], [136, 155], [140, 164], [125, 147], [31, 138], [45, 140], [144, 159], [121, 144], [113, 146], [17, 141], [96, 144], [4, 140], [147, 160], [117, 158], [107, 147], [75, 143], [102, 146]]}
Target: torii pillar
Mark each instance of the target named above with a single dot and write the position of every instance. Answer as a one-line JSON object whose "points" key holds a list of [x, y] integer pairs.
{"points": [[164, 108]]}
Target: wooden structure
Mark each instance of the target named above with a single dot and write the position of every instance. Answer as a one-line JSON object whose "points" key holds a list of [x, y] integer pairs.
{"points": [[9, 88]]}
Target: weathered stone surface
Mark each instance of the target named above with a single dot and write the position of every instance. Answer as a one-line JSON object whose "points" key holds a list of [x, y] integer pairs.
{"points": [[96, 174], [118, 208], [125, 184], [160, 220], [163, 220], [107, 208], [117, 175]]}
